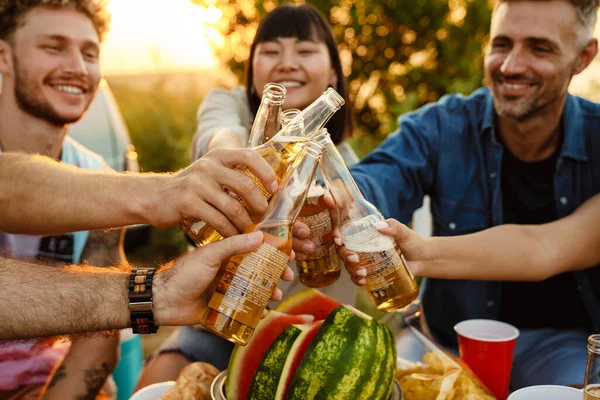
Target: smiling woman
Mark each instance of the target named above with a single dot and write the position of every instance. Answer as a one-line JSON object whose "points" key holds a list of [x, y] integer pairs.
{"points": [[149, 37]]}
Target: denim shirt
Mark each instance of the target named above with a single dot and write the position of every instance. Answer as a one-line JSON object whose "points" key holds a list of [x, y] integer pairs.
{"points": [[449, 151]]}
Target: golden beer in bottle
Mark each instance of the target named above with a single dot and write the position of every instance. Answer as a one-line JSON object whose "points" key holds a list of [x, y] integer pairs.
{"points": [[279, 152], [390, 283], [591, 385], [322, 268], [245, 287]]}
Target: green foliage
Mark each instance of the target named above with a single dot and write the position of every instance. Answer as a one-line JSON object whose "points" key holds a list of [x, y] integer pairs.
{"points": [[396, 55], [160, 112]]}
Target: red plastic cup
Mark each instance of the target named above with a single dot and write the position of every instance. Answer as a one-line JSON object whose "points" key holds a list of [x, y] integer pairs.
{"points": [[487, 347]]}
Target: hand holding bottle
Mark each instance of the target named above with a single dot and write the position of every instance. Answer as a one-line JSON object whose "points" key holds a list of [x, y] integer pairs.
{"points": [[197, 191], [412, 245], [181, 290], [248, 280]]}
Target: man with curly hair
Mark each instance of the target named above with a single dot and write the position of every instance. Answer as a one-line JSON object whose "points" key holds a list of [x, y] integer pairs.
{"points": [[49, 61]]}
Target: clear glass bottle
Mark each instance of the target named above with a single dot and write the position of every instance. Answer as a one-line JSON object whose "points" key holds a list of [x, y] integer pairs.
{"points": [[279, 152], [288, 115], [390, 283], [248, 281], [268, 117], [321, 268], [591, 384]]}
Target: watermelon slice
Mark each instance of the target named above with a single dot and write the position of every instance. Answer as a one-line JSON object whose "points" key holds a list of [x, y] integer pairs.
{"points": [[281, 361], [245, 360], [311, 302]]}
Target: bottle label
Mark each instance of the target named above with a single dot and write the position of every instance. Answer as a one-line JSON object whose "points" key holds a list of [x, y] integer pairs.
{"points": [[320, 233], [382, 268], [247, 284], [376, 252], [363, 234]]}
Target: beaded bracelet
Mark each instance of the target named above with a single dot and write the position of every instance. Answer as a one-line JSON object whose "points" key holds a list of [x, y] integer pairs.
{"points": [[140, 301]]}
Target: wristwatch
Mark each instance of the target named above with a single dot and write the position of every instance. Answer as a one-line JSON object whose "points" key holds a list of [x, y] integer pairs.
{"points": [[140, 301]]}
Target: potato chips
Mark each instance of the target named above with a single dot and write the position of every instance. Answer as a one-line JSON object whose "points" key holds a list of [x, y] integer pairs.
{"points": [[438, 377]]}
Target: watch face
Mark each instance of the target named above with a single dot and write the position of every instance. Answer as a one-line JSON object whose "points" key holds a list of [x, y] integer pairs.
{"points": [[57, 248]]}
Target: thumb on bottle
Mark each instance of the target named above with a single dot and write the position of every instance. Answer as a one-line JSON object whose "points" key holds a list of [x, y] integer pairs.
{"points": [[220, 251]]}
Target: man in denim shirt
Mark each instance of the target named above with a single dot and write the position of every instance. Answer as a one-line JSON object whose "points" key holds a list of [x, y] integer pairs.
{"points": [[521, 151]]}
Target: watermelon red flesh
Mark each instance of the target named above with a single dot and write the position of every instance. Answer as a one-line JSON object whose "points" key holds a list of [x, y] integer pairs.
{"points": [[245, 360], [311, 302]]}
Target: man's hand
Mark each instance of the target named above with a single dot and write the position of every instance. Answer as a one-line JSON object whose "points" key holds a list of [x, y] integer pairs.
{"points": [[180, 291], [412, 246], [197, 191]]}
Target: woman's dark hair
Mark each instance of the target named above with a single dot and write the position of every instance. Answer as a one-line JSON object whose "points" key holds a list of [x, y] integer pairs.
{"points": [[304, 22]]}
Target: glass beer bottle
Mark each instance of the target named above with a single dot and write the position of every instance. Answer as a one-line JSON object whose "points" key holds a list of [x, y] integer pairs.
{"points": [[390, 283], [268, 117], [288, 115], [246, 285], [279, 152], [591, 385], [321, 268]]}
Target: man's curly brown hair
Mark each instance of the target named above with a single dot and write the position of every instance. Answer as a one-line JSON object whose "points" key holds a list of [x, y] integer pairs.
{"points": [[12, 13]]}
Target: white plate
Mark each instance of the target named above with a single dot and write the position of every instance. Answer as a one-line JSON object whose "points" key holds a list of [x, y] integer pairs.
{"points": [[547, 392], [153, 392]]}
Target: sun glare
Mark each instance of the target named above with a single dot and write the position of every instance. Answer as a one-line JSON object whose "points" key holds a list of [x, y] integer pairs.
{"points": [[150, 36]]}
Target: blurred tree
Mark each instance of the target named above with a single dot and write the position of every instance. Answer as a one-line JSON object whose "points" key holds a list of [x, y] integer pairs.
{"points": [[396, 55]]}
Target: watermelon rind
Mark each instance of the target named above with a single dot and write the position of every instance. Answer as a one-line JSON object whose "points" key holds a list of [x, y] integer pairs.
{"points": [[372, 389], [267, 375], [337, 362], [245, 359], [295, 356], [386, 366]]}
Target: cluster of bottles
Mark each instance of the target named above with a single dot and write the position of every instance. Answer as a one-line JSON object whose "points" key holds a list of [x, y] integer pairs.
{"points": [[295, 144]]}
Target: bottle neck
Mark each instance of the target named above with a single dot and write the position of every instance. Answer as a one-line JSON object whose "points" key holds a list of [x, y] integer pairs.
{"points": [[594, 345], [309, 121], [288, 115], [287, 203], [351, 202], [267, 122]]}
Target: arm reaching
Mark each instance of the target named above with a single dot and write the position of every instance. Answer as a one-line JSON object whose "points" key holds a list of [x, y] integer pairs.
{"points": [[70, 199], [39, 300], [223, 121], [505, 252]]}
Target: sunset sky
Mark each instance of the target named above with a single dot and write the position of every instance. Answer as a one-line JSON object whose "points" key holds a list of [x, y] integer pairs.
{"points": [[149, 36]]}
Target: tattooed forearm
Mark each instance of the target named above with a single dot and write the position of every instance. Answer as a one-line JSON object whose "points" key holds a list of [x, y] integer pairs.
{"points": [[60, 373], [94, 380]]}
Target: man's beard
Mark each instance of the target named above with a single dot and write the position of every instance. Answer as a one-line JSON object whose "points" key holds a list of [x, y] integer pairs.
{"points": [[31, 101], [536, 104]]}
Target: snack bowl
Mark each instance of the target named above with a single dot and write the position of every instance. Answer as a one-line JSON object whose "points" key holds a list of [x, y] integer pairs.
{"points": [[217, 389], [153, 392]]}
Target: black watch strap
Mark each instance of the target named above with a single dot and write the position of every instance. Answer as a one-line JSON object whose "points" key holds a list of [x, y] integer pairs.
{"points": [[140, 301]]}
